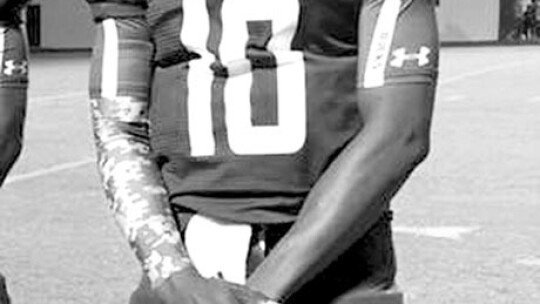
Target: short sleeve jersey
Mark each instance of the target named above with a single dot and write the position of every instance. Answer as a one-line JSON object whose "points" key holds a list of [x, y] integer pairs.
{"points": [[13, 48], [263, 94]]}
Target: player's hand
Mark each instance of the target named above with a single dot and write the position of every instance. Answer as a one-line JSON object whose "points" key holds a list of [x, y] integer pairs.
{"points": [[188, 287], [246, 295]]}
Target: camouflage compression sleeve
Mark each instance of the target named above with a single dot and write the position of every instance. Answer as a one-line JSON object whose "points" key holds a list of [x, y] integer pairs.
{"points": [[119, 90]]}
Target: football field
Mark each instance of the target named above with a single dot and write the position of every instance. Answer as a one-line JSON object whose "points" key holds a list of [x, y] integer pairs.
{"points": [[467, 224]]}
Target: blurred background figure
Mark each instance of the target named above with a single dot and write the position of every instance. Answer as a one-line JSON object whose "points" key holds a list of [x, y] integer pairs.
{"points": [[530, 21]]}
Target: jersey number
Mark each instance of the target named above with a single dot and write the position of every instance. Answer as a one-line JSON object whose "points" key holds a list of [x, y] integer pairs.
{"points": [[242, 91]]}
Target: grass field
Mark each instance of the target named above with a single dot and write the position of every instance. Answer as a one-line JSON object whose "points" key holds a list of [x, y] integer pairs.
{"points": [[466, 224]]}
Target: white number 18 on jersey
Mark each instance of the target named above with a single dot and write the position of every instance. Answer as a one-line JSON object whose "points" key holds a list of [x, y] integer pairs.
{"points": [[288, 135]]}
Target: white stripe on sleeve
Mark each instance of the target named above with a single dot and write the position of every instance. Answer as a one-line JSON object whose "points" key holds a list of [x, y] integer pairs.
{"points": [[2, 48], [109, 77], [380, 45]]}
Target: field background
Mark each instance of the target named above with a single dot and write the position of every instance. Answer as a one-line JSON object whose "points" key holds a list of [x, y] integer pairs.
{"points": [[467, 226]]}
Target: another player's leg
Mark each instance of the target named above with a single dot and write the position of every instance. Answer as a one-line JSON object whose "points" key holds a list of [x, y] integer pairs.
{"points": [[4, 297]]}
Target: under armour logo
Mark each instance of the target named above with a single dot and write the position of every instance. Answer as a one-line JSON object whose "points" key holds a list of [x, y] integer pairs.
{"points": [[400, 56], [13, 67]]}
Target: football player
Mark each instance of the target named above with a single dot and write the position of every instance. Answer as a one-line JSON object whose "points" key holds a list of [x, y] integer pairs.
{"points": [[278, 133], [13, 90]]}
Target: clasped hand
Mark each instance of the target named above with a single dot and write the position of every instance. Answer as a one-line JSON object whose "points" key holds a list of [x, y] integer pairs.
{"points": [[188, 287]]}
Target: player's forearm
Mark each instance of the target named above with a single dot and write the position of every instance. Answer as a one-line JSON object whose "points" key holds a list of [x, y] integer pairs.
{"points": [[348, 199], [138, 198], [121, 68], [12, 113], [10, 149]]}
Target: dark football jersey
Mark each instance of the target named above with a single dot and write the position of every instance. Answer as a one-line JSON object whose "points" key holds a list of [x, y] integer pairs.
{"points": [[256, 98], [244, 129]]}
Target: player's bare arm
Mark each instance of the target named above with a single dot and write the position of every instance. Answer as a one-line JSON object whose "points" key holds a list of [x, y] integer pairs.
{"points": [[397, 78], [13, 84], [13, 94]]}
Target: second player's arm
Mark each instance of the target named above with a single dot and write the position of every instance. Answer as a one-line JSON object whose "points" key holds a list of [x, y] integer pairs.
{"points": [[120, 80], [13, 94], [357, 187]]}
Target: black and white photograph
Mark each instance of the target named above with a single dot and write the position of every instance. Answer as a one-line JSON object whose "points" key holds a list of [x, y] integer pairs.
{"points": [[269, 151]]}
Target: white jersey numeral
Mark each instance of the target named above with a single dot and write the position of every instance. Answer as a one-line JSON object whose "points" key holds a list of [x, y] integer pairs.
{"points": [[288, 135], [194, 35], [245, 138]]}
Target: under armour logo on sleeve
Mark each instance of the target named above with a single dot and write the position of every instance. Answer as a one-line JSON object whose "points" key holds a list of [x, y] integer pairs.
{"points": [[401, 55], [13, 67]]}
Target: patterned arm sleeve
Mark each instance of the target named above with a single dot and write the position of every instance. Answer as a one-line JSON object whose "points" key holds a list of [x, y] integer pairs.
{"points": [[119, 90]]}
